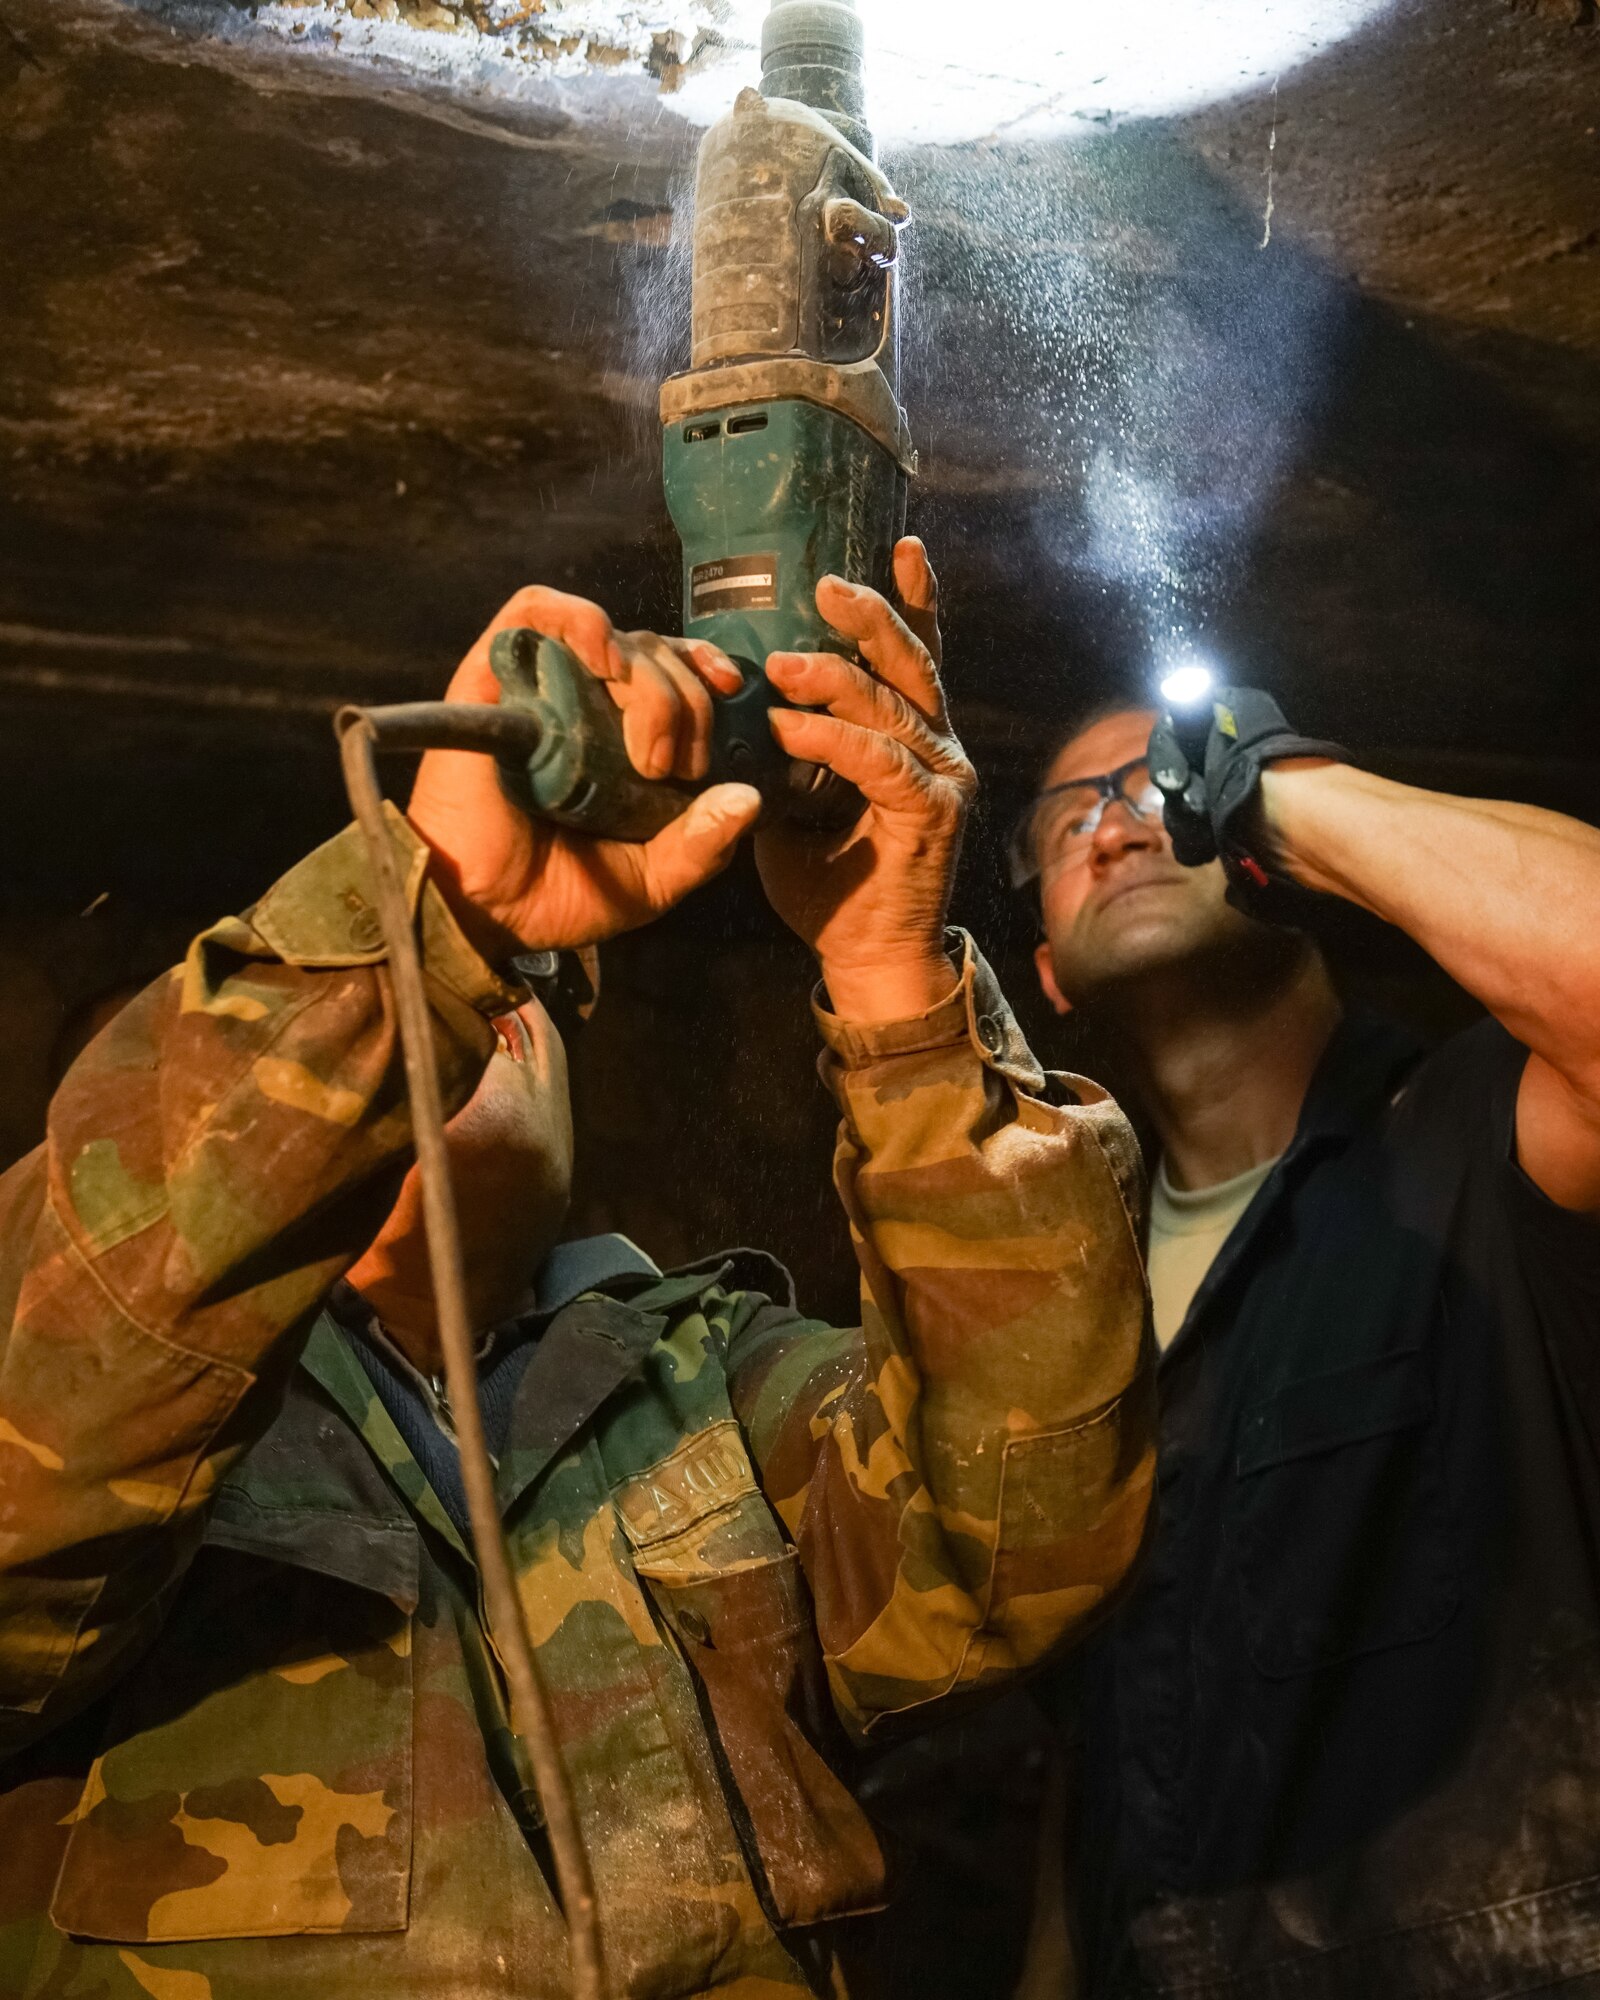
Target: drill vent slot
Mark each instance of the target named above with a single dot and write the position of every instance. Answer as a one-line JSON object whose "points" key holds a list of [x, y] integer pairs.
{"points": [[698, 433], [752, 420]]}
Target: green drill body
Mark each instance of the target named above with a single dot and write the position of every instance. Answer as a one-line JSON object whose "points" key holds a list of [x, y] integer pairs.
{"points": [[768, 498]]}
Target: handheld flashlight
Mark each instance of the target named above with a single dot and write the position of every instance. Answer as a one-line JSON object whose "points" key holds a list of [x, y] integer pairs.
{"points": [[1178, 758]]}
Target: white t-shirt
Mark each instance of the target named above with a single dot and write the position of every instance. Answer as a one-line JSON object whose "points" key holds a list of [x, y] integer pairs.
{"points": [[1187, 1229]]}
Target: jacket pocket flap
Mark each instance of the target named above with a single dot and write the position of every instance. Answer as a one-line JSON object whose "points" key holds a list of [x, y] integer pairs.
{"points": [[1368, 1401], [749, 1635], [255, 1775], [710, 1474], [352, 1548]]}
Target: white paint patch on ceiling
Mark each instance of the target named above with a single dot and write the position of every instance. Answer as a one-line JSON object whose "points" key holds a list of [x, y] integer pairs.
{"points": [[949, 70], [941, 71]]}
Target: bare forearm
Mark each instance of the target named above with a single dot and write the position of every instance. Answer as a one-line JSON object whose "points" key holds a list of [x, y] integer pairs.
{"points": [[1505, 897], [890, 989]]}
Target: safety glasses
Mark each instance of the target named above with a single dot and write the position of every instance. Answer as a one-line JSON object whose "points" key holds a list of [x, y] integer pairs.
{"points": [[1058, 828]]}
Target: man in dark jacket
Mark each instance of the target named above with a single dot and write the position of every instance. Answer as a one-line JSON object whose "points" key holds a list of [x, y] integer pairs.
{"points": [[1344, 1738]]}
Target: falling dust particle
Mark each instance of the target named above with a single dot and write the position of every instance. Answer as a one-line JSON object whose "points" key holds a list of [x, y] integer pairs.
{"points": [[1272, 148]]}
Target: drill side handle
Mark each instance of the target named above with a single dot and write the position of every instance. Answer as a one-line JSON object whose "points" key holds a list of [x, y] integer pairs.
{"points": [[580, 776], [556, 737]]}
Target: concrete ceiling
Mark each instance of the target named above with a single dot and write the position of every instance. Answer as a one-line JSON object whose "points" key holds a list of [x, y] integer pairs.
{"points": [[310, 358]]}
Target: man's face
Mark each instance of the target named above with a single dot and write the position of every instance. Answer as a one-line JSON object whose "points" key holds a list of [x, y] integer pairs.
{"points": [[510, 1148], [1116, 906], [510, 1144]]}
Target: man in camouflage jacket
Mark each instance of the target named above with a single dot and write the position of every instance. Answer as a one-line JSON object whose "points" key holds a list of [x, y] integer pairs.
{"points": [[253, 1737]]}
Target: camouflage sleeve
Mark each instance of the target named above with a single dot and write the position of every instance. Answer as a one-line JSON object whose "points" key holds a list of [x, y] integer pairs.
{"points": [[967, 1478], [213, 1161]]}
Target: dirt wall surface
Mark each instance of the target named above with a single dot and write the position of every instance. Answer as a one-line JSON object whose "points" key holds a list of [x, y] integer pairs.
{"points": [[312, 355]]}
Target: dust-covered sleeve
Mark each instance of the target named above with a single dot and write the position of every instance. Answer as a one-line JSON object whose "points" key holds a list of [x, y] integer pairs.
{"points": [[967, 1478], [212, 1162]]}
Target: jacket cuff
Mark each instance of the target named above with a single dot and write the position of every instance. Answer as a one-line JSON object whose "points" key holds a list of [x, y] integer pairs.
{"points": [[324, 913], [975, 1012]]}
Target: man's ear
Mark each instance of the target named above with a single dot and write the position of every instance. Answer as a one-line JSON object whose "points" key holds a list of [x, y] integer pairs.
{"points": [[1047, 977]]}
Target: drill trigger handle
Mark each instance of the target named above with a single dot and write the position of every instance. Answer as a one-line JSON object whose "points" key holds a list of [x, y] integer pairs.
{"points": [[744, 751]]}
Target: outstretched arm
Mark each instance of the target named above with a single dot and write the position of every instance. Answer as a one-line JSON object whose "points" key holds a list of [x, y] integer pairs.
{"points": [[967, 1478], [214, 1160], [1506, 898]]}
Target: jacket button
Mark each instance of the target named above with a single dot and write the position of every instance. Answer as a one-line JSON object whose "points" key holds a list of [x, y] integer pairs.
{"points": [[694, 1628], [366, 930], [990, 1033]]}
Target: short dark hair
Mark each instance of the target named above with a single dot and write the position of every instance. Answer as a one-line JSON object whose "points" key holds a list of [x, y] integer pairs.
{"points": [[1081, 721]]}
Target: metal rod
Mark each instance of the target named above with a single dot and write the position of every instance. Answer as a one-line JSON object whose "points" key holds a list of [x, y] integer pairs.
{"points": [[448, 725], [360, 733]]}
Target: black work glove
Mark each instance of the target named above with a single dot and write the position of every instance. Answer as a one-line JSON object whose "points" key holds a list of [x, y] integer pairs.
{"points": [[1207, 765]]}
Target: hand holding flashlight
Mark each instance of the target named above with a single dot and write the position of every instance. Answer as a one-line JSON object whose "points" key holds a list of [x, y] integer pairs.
{"points": [[1207, 753]]}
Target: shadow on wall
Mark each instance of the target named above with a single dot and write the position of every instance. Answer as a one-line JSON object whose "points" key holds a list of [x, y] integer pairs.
{"points": [[61, 980]]}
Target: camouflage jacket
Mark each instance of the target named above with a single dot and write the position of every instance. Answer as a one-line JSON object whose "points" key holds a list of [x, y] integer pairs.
{"points": [[252, 1736]]}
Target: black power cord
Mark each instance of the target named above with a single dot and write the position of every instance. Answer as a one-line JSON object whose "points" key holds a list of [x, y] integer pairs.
{"points": [[464, 726]]}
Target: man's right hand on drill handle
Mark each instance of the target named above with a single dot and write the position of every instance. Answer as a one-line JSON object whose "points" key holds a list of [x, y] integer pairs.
{"points": [[513, 882], [873, 903]]}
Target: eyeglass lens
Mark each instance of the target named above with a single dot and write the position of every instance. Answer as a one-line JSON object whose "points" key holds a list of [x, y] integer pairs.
{"points": [[1065, 821]]}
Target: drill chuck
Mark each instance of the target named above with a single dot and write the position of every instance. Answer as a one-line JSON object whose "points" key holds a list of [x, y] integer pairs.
{"points": [[812, 52]]}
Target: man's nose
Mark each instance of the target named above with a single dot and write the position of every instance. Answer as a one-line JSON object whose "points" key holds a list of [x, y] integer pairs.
{"points": [[1122, 831]]}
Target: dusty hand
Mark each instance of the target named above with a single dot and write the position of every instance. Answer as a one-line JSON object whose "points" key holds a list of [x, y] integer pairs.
{"points": [[872, 904], [515, 882]]}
